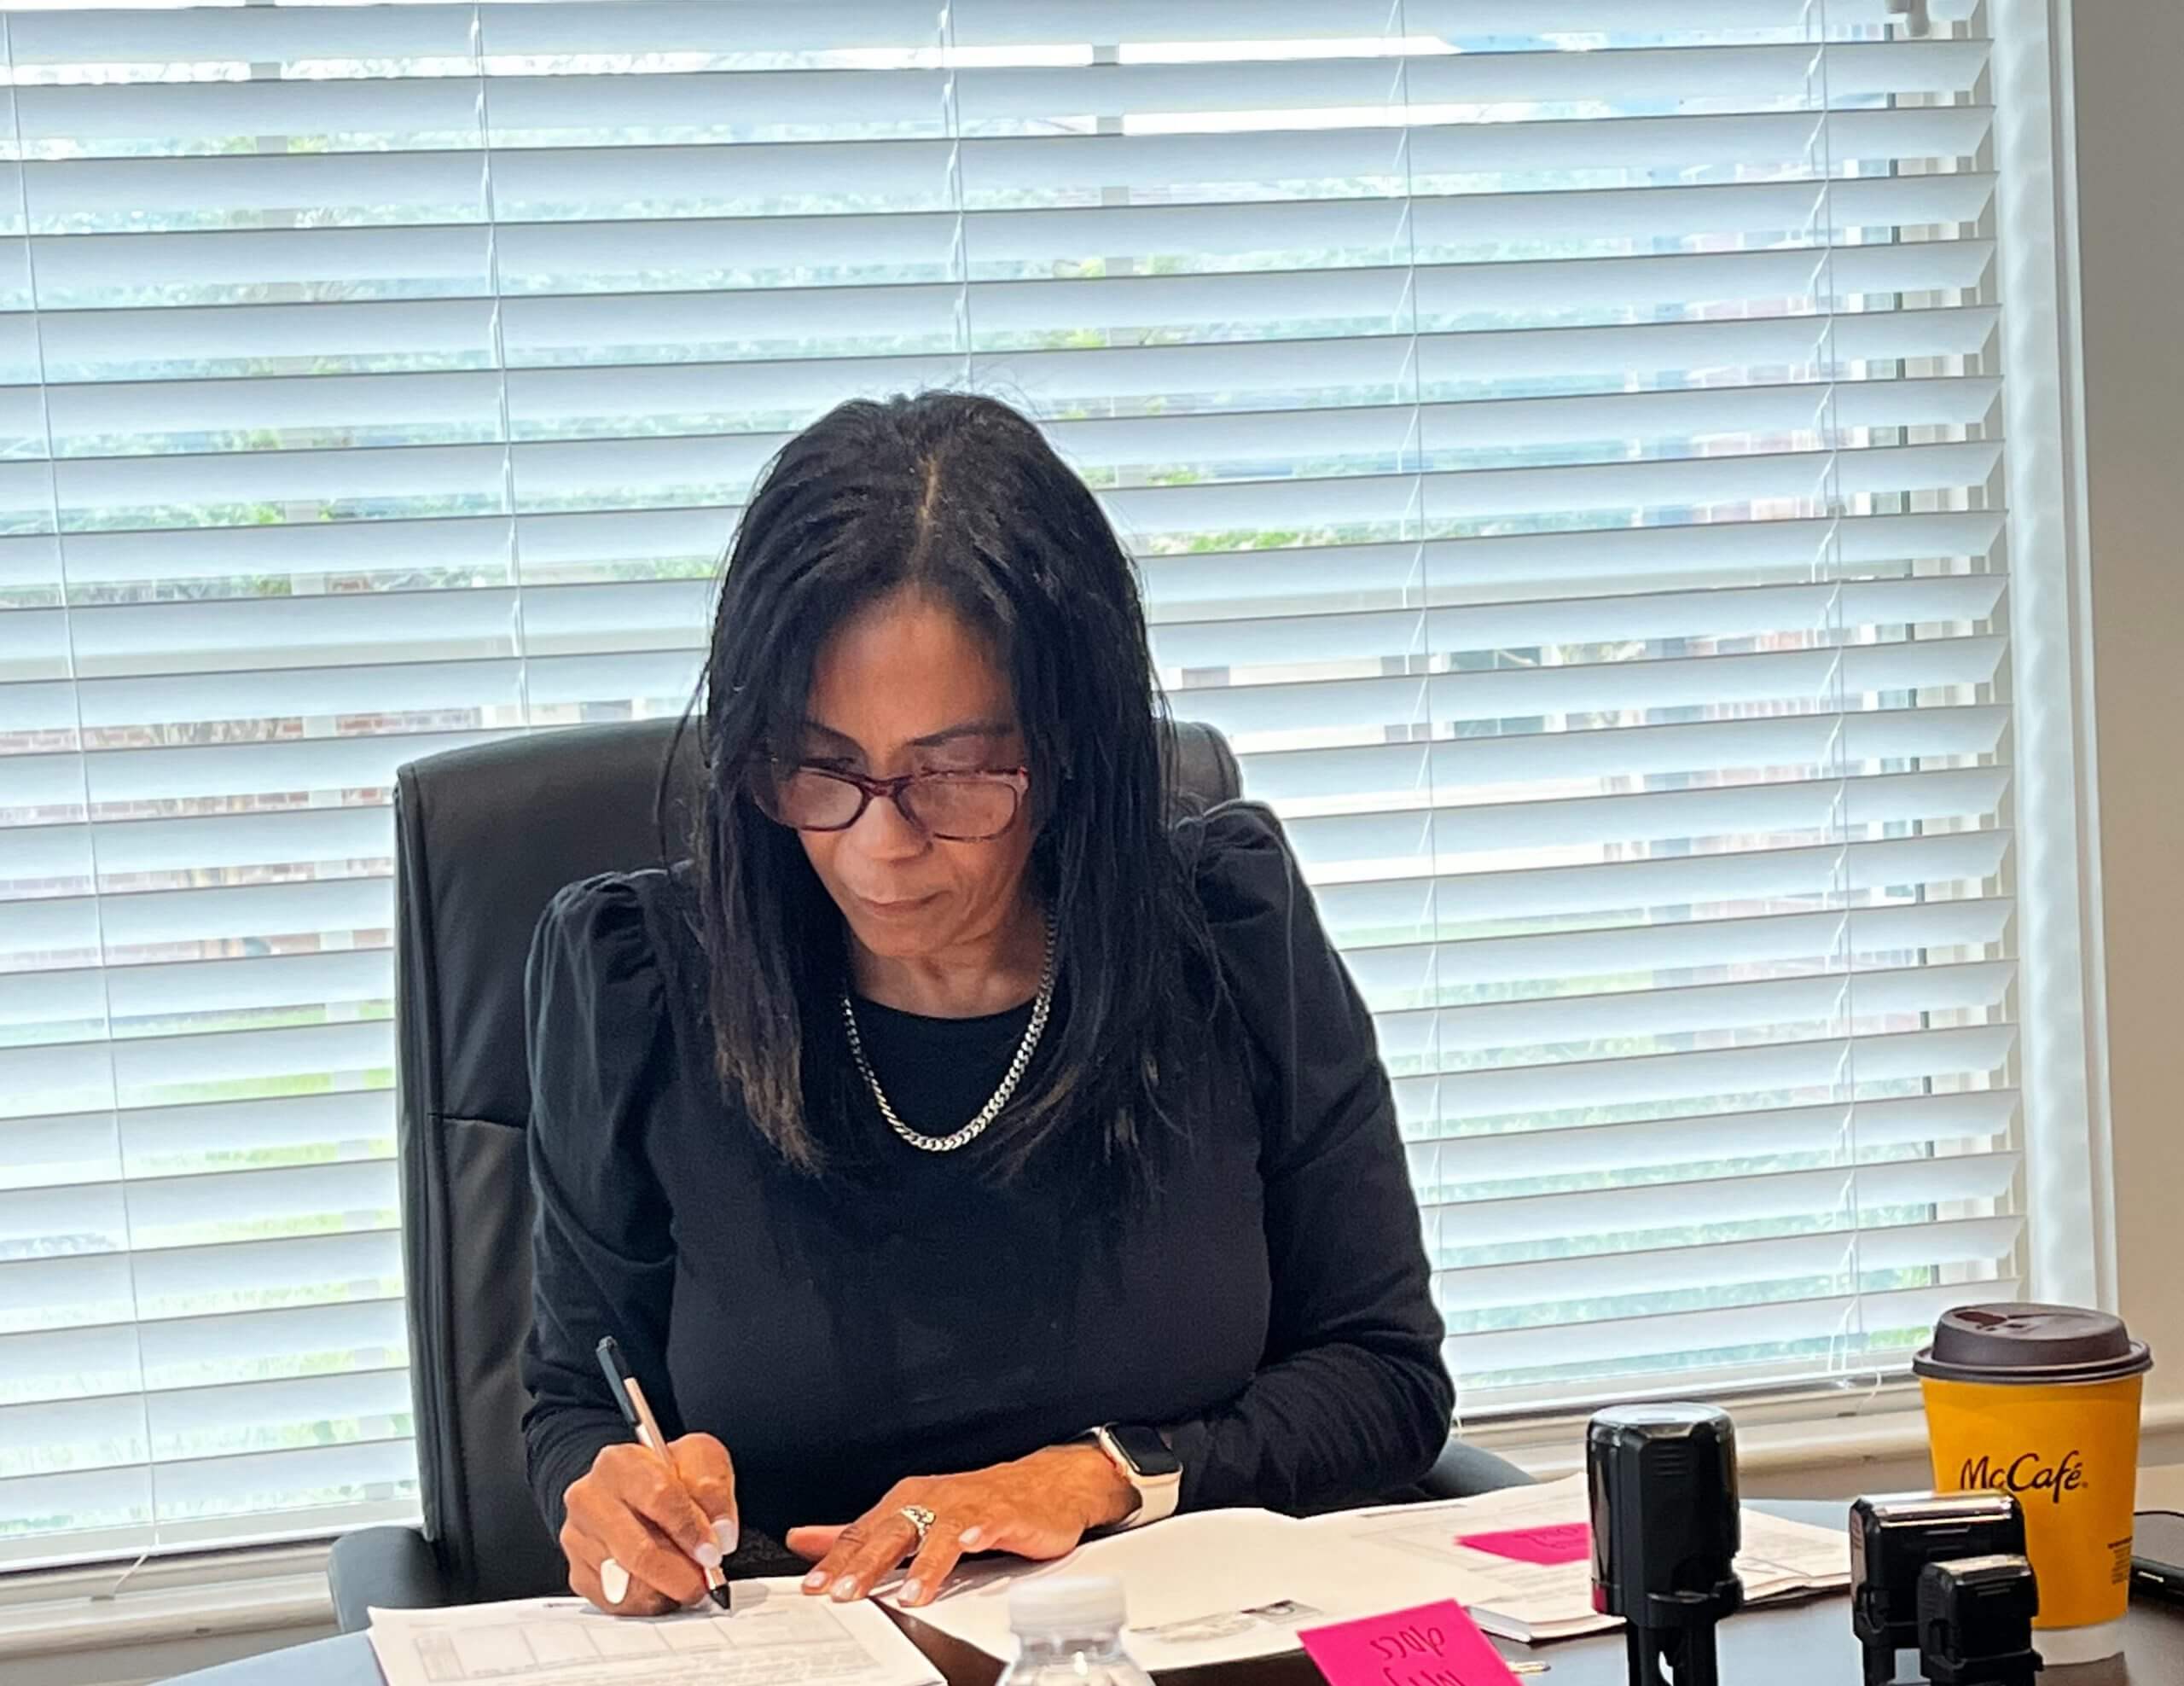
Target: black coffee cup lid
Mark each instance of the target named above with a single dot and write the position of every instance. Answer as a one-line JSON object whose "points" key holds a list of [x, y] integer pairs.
{"points": [[2026, 1345]]}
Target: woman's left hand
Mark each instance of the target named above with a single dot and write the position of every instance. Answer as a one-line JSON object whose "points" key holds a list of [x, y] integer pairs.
{"points": [[1038, 1506]]}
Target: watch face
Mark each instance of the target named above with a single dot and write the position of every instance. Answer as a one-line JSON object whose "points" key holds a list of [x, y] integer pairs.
{"points": [[1147, 1452]]}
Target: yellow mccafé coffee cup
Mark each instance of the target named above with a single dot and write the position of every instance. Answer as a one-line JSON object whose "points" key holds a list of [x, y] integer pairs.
{"points": [[2042, 1402]]}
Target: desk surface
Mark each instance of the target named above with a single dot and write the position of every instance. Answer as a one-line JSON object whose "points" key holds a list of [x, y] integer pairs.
{"points": [[1806, 1644]]}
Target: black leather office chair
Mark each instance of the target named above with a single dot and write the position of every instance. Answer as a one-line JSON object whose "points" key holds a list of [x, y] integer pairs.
{"points": [[484, 837]]}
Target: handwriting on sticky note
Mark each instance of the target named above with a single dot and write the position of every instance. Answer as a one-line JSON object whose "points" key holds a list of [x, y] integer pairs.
{"points": [[1432, 1645], [1564, 1542]]}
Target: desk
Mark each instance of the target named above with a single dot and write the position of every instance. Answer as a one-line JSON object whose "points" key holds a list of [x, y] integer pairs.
{"points": [[1806, 1644]]}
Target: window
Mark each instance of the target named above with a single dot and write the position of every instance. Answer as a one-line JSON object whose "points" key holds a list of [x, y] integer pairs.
{"points": [[1564, 456]]}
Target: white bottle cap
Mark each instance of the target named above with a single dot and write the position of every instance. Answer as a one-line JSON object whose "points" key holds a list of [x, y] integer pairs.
{"points": [[2067, 1647], [1067, 1606]]}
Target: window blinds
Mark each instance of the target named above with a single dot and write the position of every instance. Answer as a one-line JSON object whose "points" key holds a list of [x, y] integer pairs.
{"points": [[1562, 449]]}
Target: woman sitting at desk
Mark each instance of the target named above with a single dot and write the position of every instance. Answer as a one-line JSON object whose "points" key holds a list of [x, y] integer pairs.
{"points": [[980, 1154]]}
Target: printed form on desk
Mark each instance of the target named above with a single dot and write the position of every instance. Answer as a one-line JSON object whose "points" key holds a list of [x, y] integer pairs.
{"points": [[1209, 1586], [1534, 1596], [1222, 1585], [775, 1635]]}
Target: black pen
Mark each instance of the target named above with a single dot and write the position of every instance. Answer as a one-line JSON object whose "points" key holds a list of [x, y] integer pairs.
{"points": [[629, 1394]]}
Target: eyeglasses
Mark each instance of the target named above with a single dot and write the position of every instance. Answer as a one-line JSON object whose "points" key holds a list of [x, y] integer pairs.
{"points": [[965, 807]]}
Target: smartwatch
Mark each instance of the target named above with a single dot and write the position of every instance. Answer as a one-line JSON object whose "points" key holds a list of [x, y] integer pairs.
{"points": [[1145, 1461]]}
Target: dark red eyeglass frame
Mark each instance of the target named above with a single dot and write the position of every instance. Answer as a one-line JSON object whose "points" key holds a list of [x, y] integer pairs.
{"points": [[1018, 778]]}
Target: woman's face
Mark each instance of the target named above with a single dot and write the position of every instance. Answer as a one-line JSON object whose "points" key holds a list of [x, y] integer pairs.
{"points": [[904, 686]]}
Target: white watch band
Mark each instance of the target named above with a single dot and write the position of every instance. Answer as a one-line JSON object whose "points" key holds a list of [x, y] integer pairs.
{"points": [[1157, 1495]]}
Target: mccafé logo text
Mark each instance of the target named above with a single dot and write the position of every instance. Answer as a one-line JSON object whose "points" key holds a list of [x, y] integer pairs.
{"points": [[2027, 1473]]}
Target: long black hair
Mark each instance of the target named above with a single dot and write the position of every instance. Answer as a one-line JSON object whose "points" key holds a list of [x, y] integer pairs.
{"points": [[960, 497]]}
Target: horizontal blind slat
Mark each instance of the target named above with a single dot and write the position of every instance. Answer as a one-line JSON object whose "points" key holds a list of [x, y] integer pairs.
{"points": [[1814, 676], [1409, 775], [1844, 1190], [1976, 1116], [1731, 1263], [1827, 937], [1605, 1015], [1568, 1347], [1818, 872], [1832, 609], [1817, 1064]]}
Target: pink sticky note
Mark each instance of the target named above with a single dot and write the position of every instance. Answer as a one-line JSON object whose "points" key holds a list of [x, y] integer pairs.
{"points": [[1564, 1542], [1432, 1645]]}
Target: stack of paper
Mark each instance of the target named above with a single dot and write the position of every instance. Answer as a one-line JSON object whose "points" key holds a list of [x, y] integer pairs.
{"points": [[1520, 1560], [774, 1636], [1210, 1587], [1221, 1585]]}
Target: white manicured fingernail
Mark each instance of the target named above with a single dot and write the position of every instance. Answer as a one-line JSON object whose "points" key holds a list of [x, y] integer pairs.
{"points": [[844, 1589], [913, 1592], [971, 1536], [725, 1535], [815, 1580], [707, 1554], [613, 1581]]}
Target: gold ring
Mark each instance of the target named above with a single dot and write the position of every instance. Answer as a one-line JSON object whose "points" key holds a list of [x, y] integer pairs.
{"points": [[921, 1519]]}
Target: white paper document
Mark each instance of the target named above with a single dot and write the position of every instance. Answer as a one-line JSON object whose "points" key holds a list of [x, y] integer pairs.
{"points": [[1221, 1585], [1534, 1601], [776, 1635], [1206, 1587]]}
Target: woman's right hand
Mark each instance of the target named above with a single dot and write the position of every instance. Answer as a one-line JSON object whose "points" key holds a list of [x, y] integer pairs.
{"points": [[663, 1530]]}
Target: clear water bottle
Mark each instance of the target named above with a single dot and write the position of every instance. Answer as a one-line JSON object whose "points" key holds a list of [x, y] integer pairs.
{"points": [[1069, 1632]]}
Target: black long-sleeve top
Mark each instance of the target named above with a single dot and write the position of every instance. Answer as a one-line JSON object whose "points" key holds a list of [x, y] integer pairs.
{"points": [[1267, 1307]]}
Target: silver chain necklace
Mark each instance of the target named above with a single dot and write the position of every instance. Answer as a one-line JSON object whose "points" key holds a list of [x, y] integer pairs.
{"points": [[1041, 1005]]}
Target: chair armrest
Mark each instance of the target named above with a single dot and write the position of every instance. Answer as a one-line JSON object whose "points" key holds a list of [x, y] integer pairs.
{"points": [[394, 1568], [1465, 1472]]}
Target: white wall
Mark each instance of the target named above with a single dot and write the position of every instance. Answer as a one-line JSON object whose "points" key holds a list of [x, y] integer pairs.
{"points": [[2128, 57]]}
